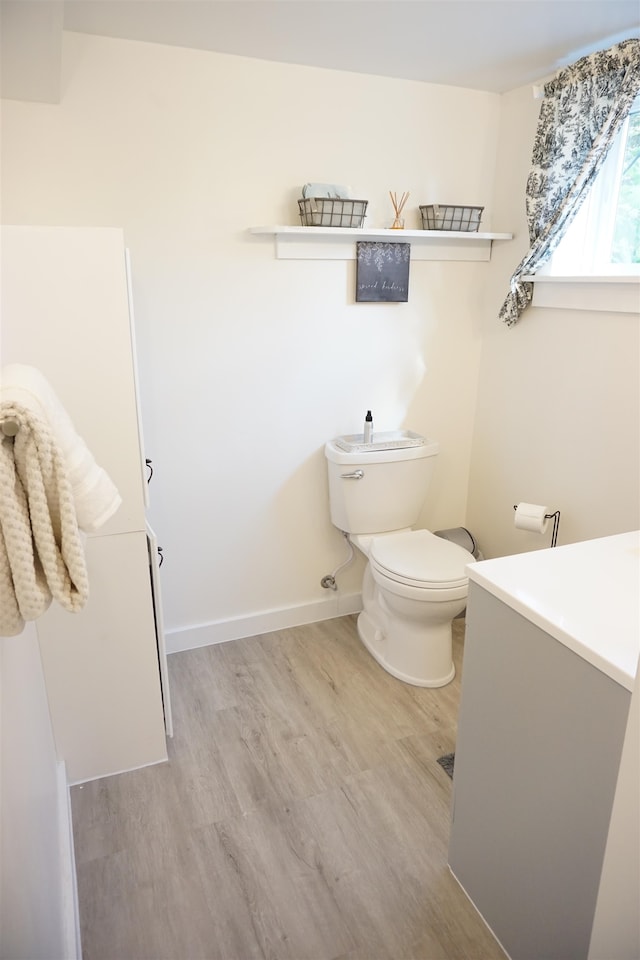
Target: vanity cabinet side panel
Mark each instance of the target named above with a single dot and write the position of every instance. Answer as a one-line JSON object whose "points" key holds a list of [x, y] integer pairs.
{"points": [[539, 742]]}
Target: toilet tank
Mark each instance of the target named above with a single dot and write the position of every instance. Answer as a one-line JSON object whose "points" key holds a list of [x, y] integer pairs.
{"points": [[376, 490]]}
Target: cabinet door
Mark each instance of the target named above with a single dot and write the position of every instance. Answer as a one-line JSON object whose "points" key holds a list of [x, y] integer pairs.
{"points": [[65, 310], [154, 571], [540, 734], [101, 666]]}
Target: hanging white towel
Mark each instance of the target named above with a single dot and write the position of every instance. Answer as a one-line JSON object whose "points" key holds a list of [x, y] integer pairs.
{"points": [[95, 496]]}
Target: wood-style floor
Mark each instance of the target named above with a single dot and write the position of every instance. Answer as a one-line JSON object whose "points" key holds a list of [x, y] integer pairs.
{"points": [[302, 815]]}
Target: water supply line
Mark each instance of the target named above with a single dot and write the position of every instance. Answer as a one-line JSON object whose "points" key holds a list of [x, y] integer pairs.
{"points": [[329, 582]]}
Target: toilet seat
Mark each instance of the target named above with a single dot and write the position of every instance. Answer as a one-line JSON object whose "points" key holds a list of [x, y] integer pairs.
{"points": [[419, 559]]}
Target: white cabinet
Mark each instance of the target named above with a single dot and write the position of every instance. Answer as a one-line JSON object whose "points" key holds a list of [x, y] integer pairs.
{"points": [[101, 666], [65, 310], [539, 741], [550, 659]]}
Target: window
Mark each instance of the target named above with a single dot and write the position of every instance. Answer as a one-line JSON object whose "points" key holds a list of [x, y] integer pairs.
{"points": [[604, 238]]}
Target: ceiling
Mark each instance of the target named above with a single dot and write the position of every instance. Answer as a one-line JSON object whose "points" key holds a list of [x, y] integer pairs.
{"points": [[493, 45]]}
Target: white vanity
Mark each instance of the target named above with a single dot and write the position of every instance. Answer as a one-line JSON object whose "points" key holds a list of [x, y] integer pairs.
{"points": [[551, 654]]}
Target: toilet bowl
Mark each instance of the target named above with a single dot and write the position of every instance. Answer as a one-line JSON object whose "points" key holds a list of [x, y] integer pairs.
{"points": [[414, 585]]}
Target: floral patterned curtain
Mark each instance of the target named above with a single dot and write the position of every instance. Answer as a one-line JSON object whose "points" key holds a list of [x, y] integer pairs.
{"points": [[583, 109]]}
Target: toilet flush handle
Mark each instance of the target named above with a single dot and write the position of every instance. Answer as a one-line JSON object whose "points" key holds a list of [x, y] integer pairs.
{"points": [[356, 475]]}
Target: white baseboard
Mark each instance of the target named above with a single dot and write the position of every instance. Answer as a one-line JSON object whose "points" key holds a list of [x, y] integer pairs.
{"points": [[70, 920], [116, 773], [219, 631]]}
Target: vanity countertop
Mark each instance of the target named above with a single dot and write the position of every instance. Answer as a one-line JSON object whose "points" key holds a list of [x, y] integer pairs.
{"points": [[586, 595]]}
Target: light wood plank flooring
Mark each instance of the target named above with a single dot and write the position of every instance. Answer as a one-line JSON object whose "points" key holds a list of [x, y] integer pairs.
{"points": [[302, 815]]}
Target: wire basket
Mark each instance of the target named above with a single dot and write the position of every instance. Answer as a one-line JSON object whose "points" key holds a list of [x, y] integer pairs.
{"points": [[440, 216], [332, 212]]}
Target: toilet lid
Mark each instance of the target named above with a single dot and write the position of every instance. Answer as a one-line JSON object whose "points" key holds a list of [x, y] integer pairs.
{"points": [[419, 557]]}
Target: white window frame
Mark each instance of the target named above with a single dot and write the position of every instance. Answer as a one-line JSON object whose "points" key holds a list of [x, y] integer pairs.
{"points": [[580, 275]]}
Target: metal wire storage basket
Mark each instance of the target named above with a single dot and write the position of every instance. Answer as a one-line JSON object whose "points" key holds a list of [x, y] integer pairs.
{"points": [[440, 216], [332, 212]]}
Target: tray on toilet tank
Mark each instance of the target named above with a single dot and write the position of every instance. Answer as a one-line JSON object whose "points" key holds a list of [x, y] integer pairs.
{"points": [[389, 440]]}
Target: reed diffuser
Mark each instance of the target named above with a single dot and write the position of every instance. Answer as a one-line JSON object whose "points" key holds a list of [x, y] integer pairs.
{"points": [[398, 205]]}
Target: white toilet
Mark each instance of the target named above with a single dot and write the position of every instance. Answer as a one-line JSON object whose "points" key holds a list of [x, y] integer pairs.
{"points": [[415, 583]]}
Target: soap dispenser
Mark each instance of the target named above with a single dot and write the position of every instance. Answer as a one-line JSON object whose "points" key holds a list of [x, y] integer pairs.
{"points": [[368, 428]]}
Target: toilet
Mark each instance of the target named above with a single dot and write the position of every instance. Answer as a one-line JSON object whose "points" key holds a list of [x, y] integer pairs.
{"points": [[415, 583]]}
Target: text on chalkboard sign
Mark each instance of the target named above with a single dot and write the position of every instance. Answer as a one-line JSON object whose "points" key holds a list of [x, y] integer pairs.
{"points": [[382, 272]]}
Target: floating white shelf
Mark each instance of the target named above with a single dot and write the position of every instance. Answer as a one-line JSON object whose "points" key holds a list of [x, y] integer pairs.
{"points": [[339, 243]]}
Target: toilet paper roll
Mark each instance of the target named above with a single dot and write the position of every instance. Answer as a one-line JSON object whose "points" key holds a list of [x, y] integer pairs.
{"points": [[531, 516]]}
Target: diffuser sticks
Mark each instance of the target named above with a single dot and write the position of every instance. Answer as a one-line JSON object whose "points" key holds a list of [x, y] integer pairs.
{"points": [[398, 205]]}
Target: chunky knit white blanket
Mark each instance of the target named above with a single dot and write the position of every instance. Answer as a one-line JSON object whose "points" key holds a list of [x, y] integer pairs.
{"points": [[50, 489], [41, 551]]}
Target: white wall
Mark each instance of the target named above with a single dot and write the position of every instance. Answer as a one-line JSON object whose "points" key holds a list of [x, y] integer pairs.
{"points": [[37, 887], [558, 407], [248, 364]]}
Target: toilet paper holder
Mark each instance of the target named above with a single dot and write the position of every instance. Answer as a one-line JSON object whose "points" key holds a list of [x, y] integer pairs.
{"points": [[556, 523]]}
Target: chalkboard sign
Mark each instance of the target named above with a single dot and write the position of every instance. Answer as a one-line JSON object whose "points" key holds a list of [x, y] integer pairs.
{"points": [[382, 272]]}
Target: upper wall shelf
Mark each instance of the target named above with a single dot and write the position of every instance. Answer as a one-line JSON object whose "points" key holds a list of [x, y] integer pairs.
{"points": [[339, 243]]}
